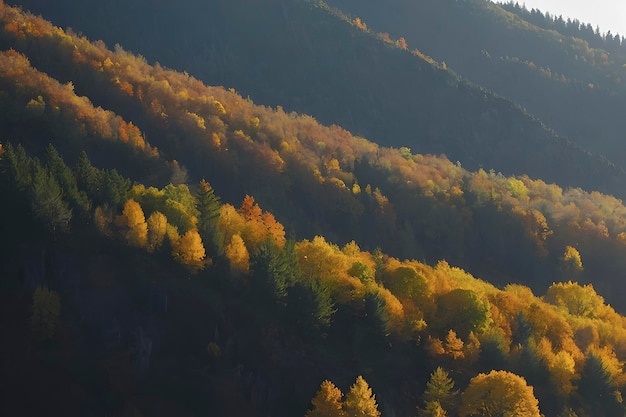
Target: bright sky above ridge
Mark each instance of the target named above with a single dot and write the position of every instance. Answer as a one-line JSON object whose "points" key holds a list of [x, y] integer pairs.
{"points": [[608, 14]]}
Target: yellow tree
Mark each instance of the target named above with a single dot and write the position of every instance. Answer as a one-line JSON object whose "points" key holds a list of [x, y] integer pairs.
{"points": [[360, 401], [499, 393], [189, 250], [237, 254], [454, 345], [578, 300], [133, 224], [327, 402], [46, 313], [157, 226]]}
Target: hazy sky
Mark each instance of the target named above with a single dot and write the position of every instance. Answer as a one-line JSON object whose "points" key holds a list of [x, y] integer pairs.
{"points": [[608, 14]]}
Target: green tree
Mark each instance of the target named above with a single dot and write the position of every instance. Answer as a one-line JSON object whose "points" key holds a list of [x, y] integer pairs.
{"points": [[440, 390], [47, 201], [327, 402], [598, 392], [209, 213], [360, 401], [46, 313], [499, 394], [462, 311], [67, 181]]}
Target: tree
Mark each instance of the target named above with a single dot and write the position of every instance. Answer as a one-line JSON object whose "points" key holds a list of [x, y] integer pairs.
{"points": [[327, 402], [360, 401], [209, 213], [47, 201], [499, 394], [599, 394], [157, 226], [576, 299], [46, 313], [439, 390], [462, 311], [133, 224], [189, 251], [571, 262], [237, 254]]}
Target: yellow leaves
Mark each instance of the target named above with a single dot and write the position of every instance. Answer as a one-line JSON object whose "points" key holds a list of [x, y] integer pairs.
{"points": [[327, 402], [360, 401], [189, 251], [237, 254], [499, 393], [157, 227], [454, 346], [575, 299], [359, 23], [571, 259], [133, 224]]}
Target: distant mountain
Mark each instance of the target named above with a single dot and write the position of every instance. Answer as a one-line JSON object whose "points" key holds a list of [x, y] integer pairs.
{"points": [[562, 72], [304, 57]]}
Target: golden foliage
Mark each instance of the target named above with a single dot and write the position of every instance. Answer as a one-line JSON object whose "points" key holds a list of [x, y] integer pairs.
{"points": [[132, 223], [499, 393], [157, 227], [360, 401], [327, 402], [189, 250], [237, 254]]}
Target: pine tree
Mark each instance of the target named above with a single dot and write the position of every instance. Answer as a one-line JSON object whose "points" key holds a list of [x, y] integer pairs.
{"points": [[327, 402], [360, 401], [209, 208], [440, 389]]}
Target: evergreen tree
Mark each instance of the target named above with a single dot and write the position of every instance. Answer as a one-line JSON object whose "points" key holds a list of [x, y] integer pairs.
{"points": [[66, 179], [597, 391], [209, 212], [47, 201], [440, 390], [327, 402], [360, 401]]}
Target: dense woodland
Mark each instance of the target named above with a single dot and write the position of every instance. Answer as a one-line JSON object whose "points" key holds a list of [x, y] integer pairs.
{"points": [[172, 248]]}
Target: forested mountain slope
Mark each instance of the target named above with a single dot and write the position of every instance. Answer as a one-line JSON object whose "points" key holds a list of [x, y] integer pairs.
{"points": [[302, 56], [317, 180], [128, 287], [569, 78]]}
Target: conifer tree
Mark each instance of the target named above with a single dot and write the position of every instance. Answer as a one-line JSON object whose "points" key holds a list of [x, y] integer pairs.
{"points": [[327, 402], [440, 390], [209, 213], [47, 201], [360, 401]]}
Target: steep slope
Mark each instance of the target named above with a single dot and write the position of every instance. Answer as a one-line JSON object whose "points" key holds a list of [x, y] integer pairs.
{"points": [[575, 88], [322, 180], [302, 56]]}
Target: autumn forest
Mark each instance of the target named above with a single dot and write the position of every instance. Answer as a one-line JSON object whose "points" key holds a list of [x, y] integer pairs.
{"points": [[310, 208]]}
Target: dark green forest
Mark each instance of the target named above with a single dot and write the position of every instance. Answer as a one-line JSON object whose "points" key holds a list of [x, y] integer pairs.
{"points": [[290, 208]]}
